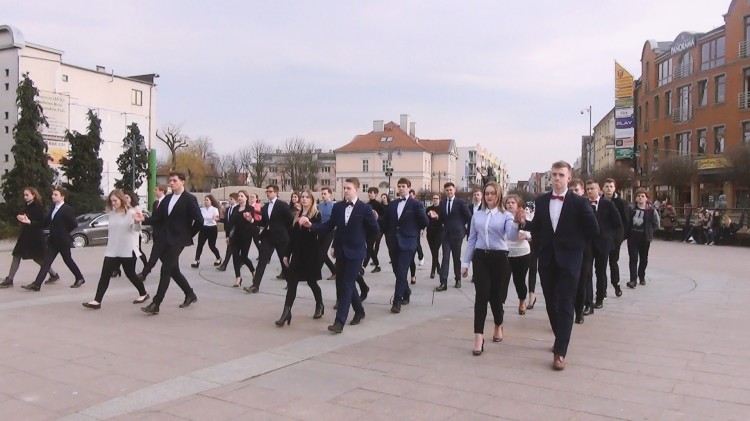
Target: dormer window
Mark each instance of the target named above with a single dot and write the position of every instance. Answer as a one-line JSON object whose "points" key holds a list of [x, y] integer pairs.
{"points": [[386, 139]]}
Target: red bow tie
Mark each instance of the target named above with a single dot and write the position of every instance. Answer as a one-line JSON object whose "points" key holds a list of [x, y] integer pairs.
{"points": [[556, 197]]}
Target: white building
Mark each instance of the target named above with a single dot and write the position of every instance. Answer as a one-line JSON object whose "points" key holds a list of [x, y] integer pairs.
{"points": [[66, 93], [473, 163]]}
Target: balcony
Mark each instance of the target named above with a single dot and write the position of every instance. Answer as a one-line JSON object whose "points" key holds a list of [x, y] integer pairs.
{"points": [[683, 70], [682, 114], [742, 49], [743, 99]]}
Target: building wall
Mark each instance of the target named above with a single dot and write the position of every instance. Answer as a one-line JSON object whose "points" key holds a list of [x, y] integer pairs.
{"points": [[604, 135], [409, 164]]}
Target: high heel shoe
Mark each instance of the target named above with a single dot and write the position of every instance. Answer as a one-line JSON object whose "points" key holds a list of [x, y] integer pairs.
{"points": [[531, 303], [195, 264], [319, 310], [478, 352], [237, 284], [498, 338], [217, 262], [286, 317], [522, 308]]}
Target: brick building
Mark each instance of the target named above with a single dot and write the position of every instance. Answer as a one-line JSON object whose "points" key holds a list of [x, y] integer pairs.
{"points": [[693, 102]]}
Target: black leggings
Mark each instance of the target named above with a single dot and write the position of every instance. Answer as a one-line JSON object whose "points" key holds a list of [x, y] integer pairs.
{"points": [[240, 250], [291, 292], [109, 266], [490, 280], [518, 268], [533, 258], [207, 233]]}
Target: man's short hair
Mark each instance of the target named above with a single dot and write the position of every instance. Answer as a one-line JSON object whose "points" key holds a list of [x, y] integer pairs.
{"points": [[273, 187], [61, 190], [591, 181], [449, 184], [642, 191], [476, 189], [162, 188], [563, 164], [373, 190], [234, 195], [610, 180], [575, 182], [179, 174], [404, 180], [353, 180], [328, 189]]}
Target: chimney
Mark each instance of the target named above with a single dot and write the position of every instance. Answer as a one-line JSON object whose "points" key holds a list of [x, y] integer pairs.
{"points": [[404, 122], [377, 126], [413, 129]]}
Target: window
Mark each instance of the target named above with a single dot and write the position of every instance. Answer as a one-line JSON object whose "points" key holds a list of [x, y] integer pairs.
{"points": [[701, 141], [668, 103], [640, 116], [386, 139], [712, 53], [288, 182], [7, 129], [718, 140], [683, 143], [6, 157], [656, 150], [685, 68], [7, 86], [702, 93], [64, 78], [665, 72], [273, 169], [7, 72], [136, 97], [684, 110], [387, 165], [656, 107], [325, 168], [666, 145], [721, 89], [647, 116], [747, 28], [745, 133], [7, 115], [325, 182], [365, 165], [273, 182], [365, 186]]}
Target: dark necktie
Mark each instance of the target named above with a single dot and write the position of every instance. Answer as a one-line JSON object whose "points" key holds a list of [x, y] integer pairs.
{"points": [[450, 203]]}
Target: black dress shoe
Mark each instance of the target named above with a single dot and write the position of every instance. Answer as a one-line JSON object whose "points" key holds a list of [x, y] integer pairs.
{"points": [[618, 291], [396, 308], [579, 319], [280, 277], [356, 319], [405, 301], [643, 281], [413, 280], [376, 270], [432, 275], [7, 283], [336, 327], [252, 289], [92, 306], [631, 284], [599, 304], [336, 306], [588, 310], [152, 308], [195, 265], [78, 283], [363, 294], [31, 287], [457, 285], [222, 268], [441, 287], [190, 299], [52, 279]]}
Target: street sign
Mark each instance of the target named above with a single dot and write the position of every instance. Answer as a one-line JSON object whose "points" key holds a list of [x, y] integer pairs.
{"points": [[389, 173]]}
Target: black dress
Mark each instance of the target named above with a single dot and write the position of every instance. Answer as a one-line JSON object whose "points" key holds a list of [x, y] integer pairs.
{"points": [[303, 248], [30, 244]]}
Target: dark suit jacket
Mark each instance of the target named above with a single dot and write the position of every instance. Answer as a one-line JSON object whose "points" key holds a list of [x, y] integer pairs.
{"points": [[179, 227], [454, 223], [404, 231], [624, 210], [241, 230], [60, 226], [227, 220], [30, 244], [566, 245], [280, 221], [349, 241], [610, 225]]}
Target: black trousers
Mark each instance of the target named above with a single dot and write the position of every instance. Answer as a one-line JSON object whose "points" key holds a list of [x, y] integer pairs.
{"points": [[49, 256], [451, 246], [433, 240], [207, 234], [614, 266], [559, 285], [372, 252], [324, 240], [600, 270], [518, 268], [240, 253], [108, 266], [420, 253], [170, 268], [401, 261], [347, 272], [490, 280], [268, 244], [584, 280], [533, 260], [227, 253], [638, 257]]}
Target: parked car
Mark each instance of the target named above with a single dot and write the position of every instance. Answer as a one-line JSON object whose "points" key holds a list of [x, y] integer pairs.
{"points": [[93, 229]]}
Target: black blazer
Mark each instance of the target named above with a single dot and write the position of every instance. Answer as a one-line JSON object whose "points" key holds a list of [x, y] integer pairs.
{"points": [[240, 228], [60, 226], [624, 210], [179, 227], [610, 225], [227, 220], [454, 223], [30, 244], [566, 245], [280, 221]]}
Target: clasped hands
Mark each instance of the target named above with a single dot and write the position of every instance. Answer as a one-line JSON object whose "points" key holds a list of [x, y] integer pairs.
{"points": [[305, 222]]}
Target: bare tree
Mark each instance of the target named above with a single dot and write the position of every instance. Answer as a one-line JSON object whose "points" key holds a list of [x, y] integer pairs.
{"points": [[255, 160], [739, 170], [299, 164], [676, 171], [622, 175], [171, 135], [229, 170]]}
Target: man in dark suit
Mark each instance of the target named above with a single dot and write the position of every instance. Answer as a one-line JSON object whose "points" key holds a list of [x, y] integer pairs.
{"points": [[609, 223], [609, 193], [177, 219], [434, 233], [61, 221], [584, 279], [353, 221], [373, 243], [454, 216], [402, 222], [277, 220], [227, 220], [160, 192], [562, 223]]}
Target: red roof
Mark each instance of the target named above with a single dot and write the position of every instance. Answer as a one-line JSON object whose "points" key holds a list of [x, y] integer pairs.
{"points": [[394, 137]]}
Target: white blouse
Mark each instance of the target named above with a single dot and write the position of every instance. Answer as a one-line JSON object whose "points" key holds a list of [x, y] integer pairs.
{"points": [[122, 240], [209, 213]]}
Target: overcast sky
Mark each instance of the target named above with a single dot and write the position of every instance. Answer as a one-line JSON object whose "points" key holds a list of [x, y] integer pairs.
{"points": [[512, 76]]}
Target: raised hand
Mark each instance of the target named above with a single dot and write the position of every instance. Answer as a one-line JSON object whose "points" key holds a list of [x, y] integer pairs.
{"points": [[247, 216], [432, 214], [138, 216], [22, 218]]}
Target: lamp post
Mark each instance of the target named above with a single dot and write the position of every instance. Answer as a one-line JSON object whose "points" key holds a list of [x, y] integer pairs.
{"points": [[590, 144], [439, 175], [388, 167]]}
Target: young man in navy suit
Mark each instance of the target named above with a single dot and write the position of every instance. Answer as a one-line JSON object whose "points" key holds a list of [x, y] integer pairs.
{"points": [[454, 216], [353, 221], [562, 223], [402, 222], [610, 223]]}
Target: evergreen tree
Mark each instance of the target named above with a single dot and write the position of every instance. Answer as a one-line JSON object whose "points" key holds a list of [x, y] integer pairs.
{"points": [[83, 167], [125, 161], [31, 167]]}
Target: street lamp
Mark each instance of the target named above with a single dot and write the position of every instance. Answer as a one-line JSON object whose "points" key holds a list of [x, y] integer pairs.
{"points": [[590, 144], [388, 167], [439, 175]]}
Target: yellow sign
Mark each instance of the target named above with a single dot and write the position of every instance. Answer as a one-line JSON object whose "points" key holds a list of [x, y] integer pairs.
{"points": [[711, 163], [623, 82]]}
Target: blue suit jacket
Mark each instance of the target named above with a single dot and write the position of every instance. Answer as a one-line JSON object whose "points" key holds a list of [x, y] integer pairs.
{"points": [[404, 231], [350, 240]]}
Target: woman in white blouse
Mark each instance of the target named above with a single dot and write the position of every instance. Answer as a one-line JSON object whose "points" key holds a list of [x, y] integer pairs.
{"points": [[518, 256], [209, 231], [487, 250], [122, 248]]}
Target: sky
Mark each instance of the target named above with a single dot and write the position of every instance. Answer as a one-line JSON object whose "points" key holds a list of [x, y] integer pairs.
{"points": [[512, 76]]}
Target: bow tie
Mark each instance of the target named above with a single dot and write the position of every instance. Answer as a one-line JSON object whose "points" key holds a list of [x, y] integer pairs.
{"points": [[349, 204], [403, 199], [593, 202], [556, 197]]}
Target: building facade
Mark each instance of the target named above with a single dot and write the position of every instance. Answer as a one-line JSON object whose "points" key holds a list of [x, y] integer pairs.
{"points": [[604, 143], [67, 93], [476, 161], [693, 103]]}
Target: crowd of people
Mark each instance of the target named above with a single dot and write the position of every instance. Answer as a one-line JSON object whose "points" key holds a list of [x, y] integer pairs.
{"points": [[570, 237]]}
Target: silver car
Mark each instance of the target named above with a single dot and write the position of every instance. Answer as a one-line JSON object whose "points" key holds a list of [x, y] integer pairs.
{"points": [[93, 229]]}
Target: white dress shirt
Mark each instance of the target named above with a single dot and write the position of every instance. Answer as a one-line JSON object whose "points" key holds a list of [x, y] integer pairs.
{"points": [[555, 207], [348, 210], [400, 207], [57, 208], [175, 198]]}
